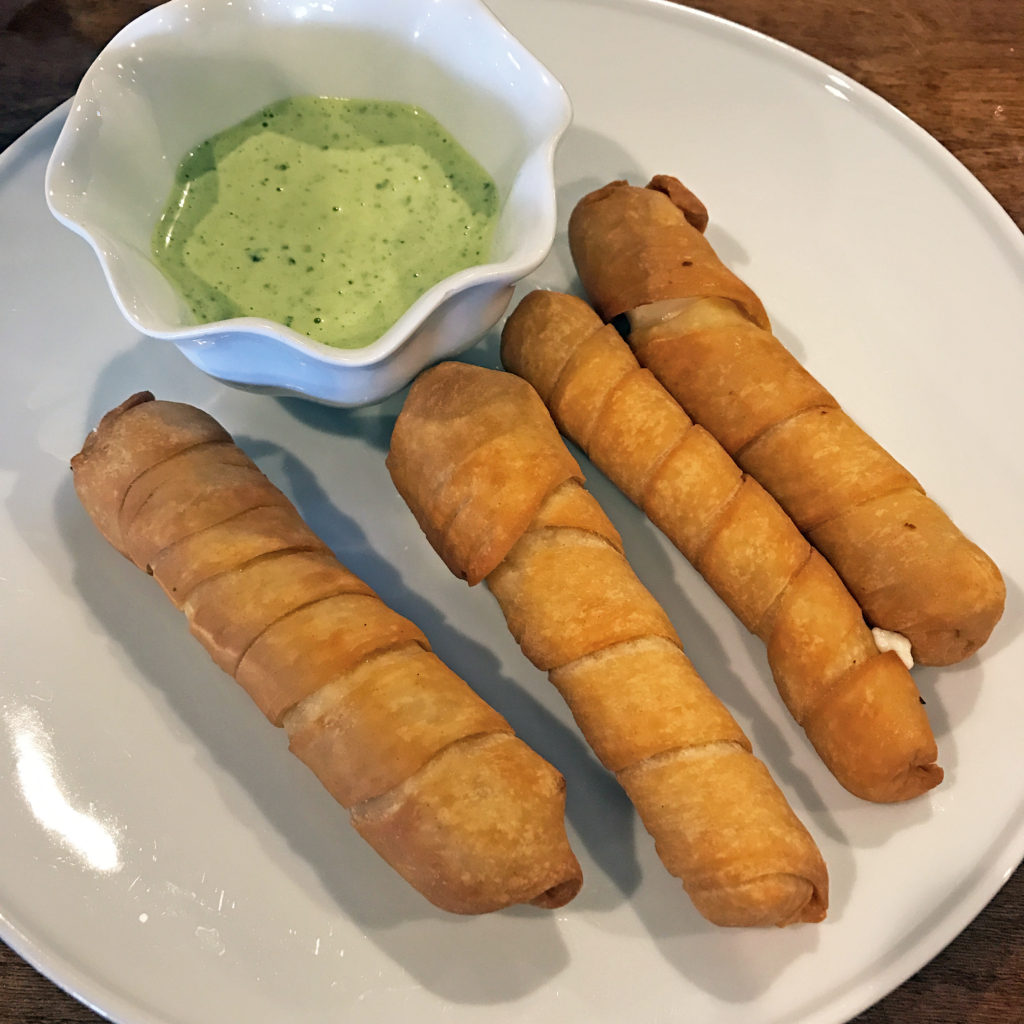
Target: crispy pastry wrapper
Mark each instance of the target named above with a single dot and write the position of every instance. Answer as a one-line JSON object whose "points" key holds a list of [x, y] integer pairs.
{"points": [[859, 708], [579, 612], [433, 777], [491, 452], [705, 336], [633, 246]]}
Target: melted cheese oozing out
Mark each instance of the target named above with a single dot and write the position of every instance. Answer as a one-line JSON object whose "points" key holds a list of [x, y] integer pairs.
{"points": [[887, 640], [658, 312]]}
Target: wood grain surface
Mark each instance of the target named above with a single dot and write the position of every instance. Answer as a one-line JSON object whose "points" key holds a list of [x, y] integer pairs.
{"points": [[956, 67]]}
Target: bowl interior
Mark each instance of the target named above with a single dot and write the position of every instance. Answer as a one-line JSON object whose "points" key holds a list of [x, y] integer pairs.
{"points": [[181, 73]]}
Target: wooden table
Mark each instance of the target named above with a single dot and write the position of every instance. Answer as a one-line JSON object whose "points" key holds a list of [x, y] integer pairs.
{"points": [[956, 68]]}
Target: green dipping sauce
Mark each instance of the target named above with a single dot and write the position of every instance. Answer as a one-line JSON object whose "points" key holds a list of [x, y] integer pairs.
{"points": [[331, 216]]}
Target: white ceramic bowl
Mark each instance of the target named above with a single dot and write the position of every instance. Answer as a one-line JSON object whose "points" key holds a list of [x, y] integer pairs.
{"points": [[186, 70]]}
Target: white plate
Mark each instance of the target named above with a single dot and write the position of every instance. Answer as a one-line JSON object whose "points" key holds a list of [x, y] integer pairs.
{"points": [[165, 858]]}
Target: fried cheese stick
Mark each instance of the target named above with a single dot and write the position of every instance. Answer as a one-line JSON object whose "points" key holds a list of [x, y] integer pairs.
{"points": [[432, 776], [478, 460], [860, 708], [705, 335]]}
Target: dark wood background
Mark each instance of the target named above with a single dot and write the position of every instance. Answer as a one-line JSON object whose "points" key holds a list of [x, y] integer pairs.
{"points": [[956, 67]]}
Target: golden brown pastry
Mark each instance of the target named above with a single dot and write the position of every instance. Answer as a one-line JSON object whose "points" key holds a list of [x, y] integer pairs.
{"points": [[480, 464], [705, 335], [860, 708], [433, 778]]}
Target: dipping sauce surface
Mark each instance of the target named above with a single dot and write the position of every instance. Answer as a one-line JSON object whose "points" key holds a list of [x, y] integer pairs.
{"points": [[331, 216]]}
